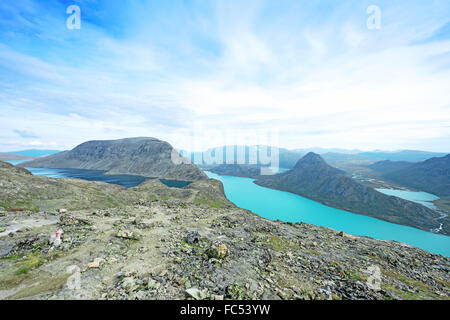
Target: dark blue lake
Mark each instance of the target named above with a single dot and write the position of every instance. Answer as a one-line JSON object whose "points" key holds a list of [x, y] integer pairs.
{"points": [[127, 181]]}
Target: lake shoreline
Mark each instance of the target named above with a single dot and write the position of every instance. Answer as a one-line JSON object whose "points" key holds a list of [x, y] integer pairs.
{"points": [[375, 228], [350, 210], [277, 206]]}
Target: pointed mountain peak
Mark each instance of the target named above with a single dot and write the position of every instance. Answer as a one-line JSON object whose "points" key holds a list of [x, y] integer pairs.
{"points": [[312, 162], [310, 159], [313, 156]]}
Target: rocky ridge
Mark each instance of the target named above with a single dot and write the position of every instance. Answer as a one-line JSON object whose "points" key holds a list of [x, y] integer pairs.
{"points": [[148, 157], [313, 178]]}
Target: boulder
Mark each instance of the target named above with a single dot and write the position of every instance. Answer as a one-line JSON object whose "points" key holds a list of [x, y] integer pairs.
{"points": [[218, 250]]}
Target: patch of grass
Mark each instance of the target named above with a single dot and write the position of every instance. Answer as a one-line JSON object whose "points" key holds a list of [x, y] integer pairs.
{"points": [[50, 284], [39, 245], [192, 245], [24, 204], [423, 290], [236, 292], [209, 203], [278, 243], [350, 274], [31, 261], [13, 257]]}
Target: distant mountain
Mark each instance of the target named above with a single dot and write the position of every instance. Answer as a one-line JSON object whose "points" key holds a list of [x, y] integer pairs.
{"points": [[388, 166], [322, 151], [369, 157], [403, 155], [287, 158], [6, 156], [432, 175], [313, 178], [335, 158], [344, 155], [236, 170], [148, 157], [339, 156], [34, 153]]}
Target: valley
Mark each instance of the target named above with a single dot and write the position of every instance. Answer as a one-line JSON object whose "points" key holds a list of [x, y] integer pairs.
{"points": [[204, 235], [157, 242]]}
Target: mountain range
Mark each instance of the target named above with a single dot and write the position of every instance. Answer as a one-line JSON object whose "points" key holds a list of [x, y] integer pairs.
{"points": [[432, 175], [310, 177], [313, 178], [34, 153], [288, 158], [6, 156]]}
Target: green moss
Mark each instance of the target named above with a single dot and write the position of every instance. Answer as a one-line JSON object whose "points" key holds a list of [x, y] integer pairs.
{"points": [[31, 261], [279, 243], [209, 203], [423, 291], [349, 274], [19, 204], [13, 257], [236, 292], [186, 244]]}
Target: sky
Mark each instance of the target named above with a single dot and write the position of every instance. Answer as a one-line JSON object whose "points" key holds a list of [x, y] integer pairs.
{"points": [[200, 74]]}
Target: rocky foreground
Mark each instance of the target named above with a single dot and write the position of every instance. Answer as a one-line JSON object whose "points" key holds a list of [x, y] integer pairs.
{"points": [[155, 242]]}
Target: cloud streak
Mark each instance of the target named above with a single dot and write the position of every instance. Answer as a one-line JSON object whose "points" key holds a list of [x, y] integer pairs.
{"points": [[25, 134], [311, 71]]}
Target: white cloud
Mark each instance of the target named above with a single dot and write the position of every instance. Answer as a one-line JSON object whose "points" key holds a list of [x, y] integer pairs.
{"points": [[330, 84]]}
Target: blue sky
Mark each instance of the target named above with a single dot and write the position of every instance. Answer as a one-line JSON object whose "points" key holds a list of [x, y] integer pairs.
{"points": [[309, 72]]}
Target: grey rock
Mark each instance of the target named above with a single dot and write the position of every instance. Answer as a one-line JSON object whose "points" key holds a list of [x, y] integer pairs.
{"points": [[193, 237]]}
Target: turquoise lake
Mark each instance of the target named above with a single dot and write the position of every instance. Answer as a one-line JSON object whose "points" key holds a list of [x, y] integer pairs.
{"points": [[279, 205], [289, 207], [421, 197]]}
